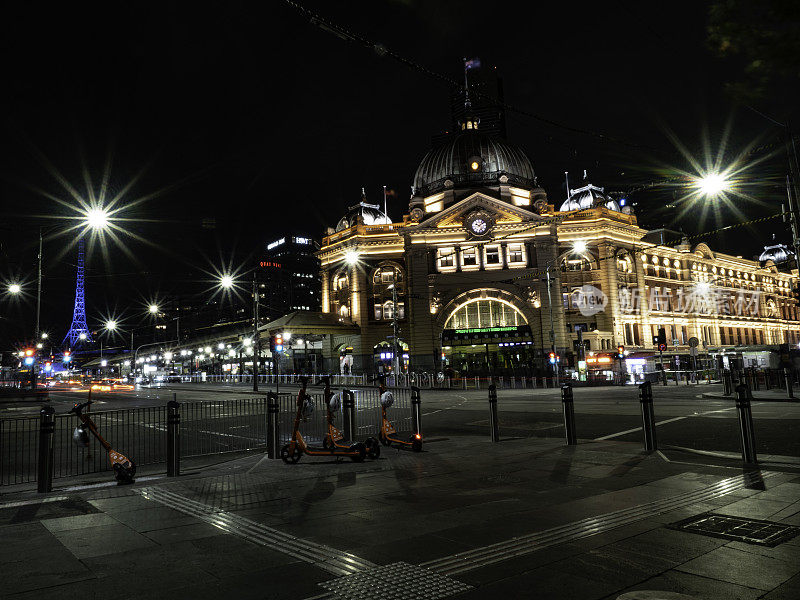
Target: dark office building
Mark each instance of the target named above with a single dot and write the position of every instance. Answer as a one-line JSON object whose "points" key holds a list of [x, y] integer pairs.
{"points": [[289, 276]]}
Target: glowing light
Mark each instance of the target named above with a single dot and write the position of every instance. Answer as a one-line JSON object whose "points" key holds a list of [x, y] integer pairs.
{"points": [[111, 325], [475, 165], [247, 341], [208, 350], [103, 363], [579, 246], [82, 336], [287, 336], [153, 308], [14, 288], [702, 287], [45, 336], [97, 218], [39, 345], [351, 257], [712, 184], [226, 282]]}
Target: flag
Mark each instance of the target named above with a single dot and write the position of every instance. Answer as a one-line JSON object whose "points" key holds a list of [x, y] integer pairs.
{"points": [[473, 63]]}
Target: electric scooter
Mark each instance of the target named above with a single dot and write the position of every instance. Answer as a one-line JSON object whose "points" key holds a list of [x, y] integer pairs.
{"points": [[124, 468], [297, 446], [334, 437], [388, 434]]}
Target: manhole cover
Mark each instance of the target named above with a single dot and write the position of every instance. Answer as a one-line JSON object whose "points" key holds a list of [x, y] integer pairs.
{"points": [[396, 581], [749, 531]]}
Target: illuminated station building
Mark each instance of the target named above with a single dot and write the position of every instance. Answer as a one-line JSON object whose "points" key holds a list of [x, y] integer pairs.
{"points": [[472, 258]]}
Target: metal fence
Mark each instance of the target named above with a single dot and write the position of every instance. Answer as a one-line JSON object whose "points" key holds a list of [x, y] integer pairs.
{"points": [[206, 428]]}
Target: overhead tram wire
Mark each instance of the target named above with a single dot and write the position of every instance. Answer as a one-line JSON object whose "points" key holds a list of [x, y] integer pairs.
{"points": [[345, 34]]}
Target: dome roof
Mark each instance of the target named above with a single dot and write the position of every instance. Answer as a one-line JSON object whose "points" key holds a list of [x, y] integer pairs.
{"points": [[371, 214], [778, 253], [588, 196], [473, 158]]}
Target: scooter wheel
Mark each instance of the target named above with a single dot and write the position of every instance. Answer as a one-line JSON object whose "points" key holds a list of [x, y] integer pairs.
{"points": [[416, 444], [383, 439], [361, 449], [123, 475], [373, 448], [290, 458]]}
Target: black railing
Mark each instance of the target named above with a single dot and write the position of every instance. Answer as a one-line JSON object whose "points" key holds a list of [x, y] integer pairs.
{"points": [[206, 429]]}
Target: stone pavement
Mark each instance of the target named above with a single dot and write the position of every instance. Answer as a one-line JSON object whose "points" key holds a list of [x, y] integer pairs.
{"points": [[463, 519]]}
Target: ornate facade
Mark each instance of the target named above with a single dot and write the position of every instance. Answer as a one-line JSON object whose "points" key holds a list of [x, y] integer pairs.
{"points": [[464, 275]]}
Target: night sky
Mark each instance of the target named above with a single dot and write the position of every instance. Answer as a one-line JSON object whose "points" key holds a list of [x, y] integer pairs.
{"points": [[227, 125]]}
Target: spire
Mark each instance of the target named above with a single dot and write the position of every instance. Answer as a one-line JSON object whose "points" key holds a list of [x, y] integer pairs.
{"points": [[363, 195], [470, 120], [79, 327]]}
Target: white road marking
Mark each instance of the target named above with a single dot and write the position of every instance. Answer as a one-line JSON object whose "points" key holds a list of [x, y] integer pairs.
{"points": [[627, 431], [34, 501], [77, 488]]}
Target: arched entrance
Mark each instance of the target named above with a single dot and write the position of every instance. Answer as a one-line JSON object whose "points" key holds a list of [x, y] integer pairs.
{"points": [[383, 357], [487, 334]]}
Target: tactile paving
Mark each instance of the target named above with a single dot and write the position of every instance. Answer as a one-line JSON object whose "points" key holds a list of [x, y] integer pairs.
{"points": [[395, 581]]}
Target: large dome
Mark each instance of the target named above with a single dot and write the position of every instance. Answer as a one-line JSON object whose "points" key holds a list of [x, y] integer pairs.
{"points": [[472, 158]]}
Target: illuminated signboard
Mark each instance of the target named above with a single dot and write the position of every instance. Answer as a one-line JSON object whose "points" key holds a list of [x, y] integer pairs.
{"points": [[276, 243], [269, 264], [301, 240], [485, 330]]}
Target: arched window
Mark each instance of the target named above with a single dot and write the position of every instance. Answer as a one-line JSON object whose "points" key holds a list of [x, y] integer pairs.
{"points": [[490, 312], [576, 262]]}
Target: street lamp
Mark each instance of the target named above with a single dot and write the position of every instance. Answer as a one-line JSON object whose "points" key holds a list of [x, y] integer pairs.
{"points": [[97, 218], [14, 288], [712, 184], [153, 308], [226, 282], [351, 257]]}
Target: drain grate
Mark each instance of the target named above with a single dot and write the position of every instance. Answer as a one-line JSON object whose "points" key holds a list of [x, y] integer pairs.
{"points": [[749, 531], [396, 581]]}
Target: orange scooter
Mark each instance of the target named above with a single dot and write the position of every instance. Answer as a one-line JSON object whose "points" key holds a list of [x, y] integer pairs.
{"points": [[124, 469], [388, 433], [334, 437], [297, 446]]}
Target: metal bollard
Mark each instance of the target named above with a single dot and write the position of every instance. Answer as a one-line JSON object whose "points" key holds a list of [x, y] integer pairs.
{"points": [[494, 424], [273, 439], [569, 414], [416, 411], [746, 431], [173, 438], [44, 471], [648, 417], [726, 383], [755, 379], [787, 376], [348, 415]]}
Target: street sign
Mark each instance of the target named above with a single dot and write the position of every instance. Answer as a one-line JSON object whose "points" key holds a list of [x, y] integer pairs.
{"points": [[693, 351], [662, 347], [693, 342]]}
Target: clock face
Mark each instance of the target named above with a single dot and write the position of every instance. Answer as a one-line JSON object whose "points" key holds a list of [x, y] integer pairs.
{"points": [[478, 226]]}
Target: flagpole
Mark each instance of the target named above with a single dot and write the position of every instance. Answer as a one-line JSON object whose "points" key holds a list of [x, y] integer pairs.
{"points": [[385, 211]]}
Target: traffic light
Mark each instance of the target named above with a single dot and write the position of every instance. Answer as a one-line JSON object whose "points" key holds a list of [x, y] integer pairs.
{"points": [[662, 335], [620, 352], [67, 357], [552, 358], [276, 343]]}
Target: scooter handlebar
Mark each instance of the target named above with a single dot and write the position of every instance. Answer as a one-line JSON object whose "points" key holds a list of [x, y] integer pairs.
{"points": [[78, 408]]}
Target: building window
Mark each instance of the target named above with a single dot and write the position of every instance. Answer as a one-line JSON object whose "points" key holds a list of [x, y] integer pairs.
{"points": [[378, 312], [469, 257], [484, 313], [515, 255], [492, 255], [447, 258]]}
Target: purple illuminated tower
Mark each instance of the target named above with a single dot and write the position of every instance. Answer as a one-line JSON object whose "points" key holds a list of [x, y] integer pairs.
{"points": [[78, 332]]}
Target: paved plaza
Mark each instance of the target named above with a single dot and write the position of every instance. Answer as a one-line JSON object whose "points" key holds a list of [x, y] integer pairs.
{"points": [[526, 517]]}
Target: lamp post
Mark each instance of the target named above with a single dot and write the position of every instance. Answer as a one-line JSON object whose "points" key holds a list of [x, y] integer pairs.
{"points": [[552, 327], [256, 344]]}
